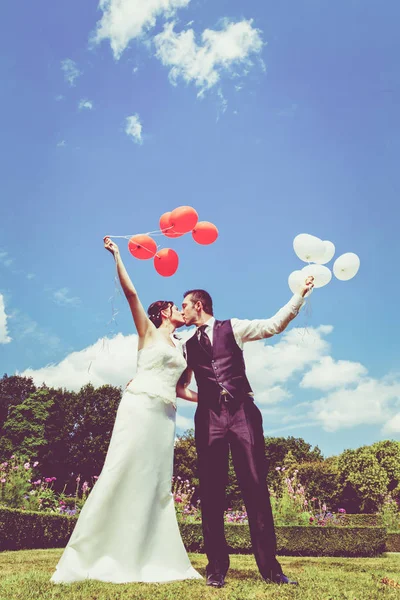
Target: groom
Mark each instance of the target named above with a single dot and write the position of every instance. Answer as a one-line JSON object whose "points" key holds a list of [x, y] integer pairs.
{"points": [[227, 418]]}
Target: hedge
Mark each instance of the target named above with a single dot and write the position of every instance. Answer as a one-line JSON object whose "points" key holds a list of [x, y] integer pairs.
{"points": [[21, 530], [393, 541], [362, 520], [298, 541]]}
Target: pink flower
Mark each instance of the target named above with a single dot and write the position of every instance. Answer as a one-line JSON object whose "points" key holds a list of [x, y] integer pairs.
{"points": [[35, 464], [324, 507], [277, 468], [313, 499], [3, 480], [178, 499], [311, 519], [283, 468], [5, 464], [342, 510], [95, 477], [54, 478], [13, 456], [27, 466], [48, 480]]}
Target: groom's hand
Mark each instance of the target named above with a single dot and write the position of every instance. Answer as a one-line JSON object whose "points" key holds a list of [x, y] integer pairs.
{"points": [[308, 285]]}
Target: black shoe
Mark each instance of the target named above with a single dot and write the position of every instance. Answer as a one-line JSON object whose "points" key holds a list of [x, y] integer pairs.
{"points": [[280, 578], [216, 580]]}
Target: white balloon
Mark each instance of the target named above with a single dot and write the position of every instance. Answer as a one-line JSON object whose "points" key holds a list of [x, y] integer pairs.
{"points": [[308, 247], [296, 281], [346, 266], [322, 275], [328, 254]]}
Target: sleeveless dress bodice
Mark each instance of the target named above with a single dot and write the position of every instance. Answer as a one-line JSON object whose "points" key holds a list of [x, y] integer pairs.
{"points": [[159, 367]]}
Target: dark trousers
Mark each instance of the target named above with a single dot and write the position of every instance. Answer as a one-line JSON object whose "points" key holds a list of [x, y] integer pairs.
{"points": [[237, 425]]}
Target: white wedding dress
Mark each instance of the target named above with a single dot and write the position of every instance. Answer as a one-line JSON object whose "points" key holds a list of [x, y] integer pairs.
{"points": [[127, 530]]}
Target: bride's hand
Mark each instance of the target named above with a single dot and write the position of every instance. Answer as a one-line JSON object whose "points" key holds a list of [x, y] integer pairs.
{"points": [[110, 246]]}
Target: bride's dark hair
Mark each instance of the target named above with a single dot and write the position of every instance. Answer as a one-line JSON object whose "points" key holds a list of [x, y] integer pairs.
{"points": [[154, 311]]}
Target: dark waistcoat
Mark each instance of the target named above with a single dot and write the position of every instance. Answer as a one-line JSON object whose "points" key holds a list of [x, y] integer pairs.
{"points": [[222, 369]]}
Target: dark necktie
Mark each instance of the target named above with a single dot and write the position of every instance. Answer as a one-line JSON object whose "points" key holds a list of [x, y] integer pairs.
{"points": [[204, 340]]}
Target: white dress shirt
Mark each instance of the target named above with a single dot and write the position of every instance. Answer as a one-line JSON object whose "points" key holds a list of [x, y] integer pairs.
{"points": [[246, 330]]}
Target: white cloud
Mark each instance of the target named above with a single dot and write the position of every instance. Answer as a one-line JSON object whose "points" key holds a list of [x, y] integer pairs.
{"points": [[4, 337], [31, 276], [220, 51], [125, 20], [134, 128], [392, 426], [61, 144], [85, 104], [372, 402], [111, 361], [273, 365], [71, 71], [5, 258], [63, 298], [329, 374]]}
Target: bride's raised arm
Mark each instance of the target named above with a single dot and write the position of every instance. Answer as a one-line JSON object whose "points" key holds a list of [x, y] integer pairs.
{"points": [[142, 322]]}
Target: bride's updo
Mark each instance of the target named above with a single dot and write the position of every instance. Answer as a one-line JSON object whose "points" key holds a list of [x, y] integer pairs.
{"points": [[154, 311]]}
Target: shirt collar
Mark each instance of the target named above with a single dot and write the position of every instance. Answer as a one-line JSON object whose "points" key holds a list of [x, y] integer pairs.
{"points": [[209, 323]]}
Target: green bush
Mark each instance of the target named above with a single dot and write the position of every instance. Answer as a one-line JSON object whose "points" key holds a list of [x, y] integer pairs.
{"points": [[331, 541], [393, 541], [362, 520], [21, 530]]}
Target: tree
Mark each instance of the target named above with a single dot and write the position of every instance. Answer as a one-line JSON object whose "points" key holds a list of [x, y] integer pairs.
{"points": [[185, 458], [55, 457], [13, 391], [94, 416], [25, 425], [277, 449], [321, 481], [367, 474]]}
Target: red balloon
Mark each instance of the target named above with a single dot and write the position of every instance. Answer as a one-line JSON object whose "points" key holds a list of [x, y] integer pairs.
{"points": [[166, 262], [184, 219], [142, 246], [205, 233], [166, 226]]}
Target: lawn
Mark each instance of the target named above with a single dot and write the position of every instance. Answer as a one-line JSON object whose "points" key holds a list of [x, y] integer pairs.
{"points": [[25, 575]]}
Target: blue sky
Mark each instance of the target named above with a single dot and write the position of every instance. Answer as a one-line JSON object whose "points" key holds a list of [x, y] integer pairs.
{"points": [[271, 119]]}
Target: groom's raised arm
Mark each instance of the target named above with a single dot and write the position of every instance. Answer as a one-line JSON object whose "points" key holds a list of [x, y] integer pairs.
{"points": [[246, 330]]}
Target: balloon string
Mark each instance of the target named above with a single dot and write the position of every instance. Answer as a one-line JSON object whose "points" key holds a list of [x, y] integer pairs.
{"points": [[114, 312], [156, 232]]}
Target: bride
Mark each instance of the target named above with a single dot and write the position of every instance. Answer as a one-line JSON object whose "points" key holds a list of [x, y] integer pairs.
{"points": [[127, 530]]}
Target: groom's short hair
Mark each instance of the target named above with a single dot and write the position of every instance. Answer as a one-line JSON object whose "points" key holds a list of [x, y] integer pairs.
{"points": [[202, 296]]}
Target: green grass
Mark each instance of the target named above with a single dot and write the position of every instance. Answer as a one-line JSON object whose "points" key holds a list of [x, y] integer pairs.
{"points": [[25, 575]]}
